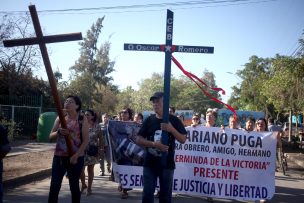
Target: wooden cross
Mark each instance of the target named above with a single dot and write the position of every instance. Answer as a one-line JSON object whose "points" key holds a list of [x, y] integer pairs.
{"points": [[42, 40], [168, 49]]}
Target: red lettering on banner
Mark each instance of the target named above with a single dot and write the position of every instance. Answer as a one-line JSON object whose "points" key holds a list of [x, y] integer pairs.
{"points": [[191, 159], [214, 161], [225, 162], [250, 164], [216, 173]]}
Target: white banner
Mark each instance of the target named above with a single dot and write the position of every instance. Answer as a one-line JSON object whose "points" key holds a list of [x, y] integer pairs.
{"points": [[229, 164]]}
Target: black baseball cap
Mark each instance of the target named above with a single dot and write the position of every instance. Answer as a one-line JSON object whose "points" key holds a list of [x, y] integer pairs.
{"points": [[157, 95]]}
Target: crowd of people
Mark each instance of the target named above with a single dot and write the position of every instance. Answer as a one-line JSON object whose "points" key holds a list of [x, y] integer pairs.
{"points": [[90, 146]]}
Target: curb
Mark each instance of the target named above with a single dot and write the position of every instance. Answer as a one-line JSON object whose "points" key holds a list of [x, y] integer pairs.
{"points": [[37, 176]]}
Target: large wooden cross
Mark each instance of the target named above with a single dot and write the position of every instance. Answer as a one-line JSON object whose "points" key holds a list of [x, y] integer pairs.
{"points": [[168, 48], [42, 40]]}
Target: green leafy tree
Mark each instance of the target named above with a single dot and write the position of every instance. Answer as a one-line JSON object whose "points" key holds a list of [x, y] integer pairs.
{"points": [[18, 63], [126, 99], [192, 97], [300, 50], [184, 94], [57, 75], [146, 88], [234, 99], [285, 89], [249, 94], [274, 86], [91, 72], [109, 100], [138, 100]]}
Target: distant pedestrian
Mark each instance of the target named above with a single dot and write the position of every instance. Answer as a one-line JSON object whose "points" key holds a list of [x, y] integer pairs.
{"points": [[138, 118], [106, 155], [250, 124], [195, 120], [92, 152], [211, 116], [233, 123], [126, 116], [172, 110], [275, 128], [261, 126]]}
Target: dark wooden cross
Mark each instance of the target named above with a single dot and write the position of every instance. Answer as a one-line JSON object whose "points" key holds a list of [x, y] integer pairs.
{"points": [[42, 40], [168, 48]]}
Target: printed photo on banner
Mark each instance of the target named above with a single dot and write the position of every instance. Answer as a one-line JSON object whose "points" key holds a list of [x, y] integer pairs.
{"points": [[213, 162], [122, 138]]}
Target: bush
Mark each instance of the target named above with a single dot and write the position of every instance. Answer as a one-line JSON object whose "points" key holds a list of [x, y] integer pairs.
{"points": [[13, 128]]}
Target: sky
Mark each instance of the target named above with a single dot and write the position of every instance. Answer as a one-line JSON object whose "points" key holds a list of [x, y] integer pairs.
{"points": [[236, 29]]}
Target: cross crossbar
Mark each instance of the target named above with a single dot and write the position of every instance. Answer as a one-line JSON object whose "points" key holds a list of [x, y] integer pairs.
{"points": [[43, 40]]}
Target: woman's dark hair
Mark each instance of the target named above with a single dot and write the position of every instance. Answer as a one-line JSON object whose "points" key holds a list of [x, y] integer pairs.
{"points": [[263, 119], [198, 116], [93, 114], [213, 111], [172, 108], [270, 120], [130, 112], [77, 101], [250, 119], [140, 115]]}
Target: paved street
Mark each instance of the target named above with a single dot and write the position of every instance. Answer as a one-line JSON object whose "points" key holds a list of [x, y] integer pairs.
{"points": [[288, 189], [31, 147]]}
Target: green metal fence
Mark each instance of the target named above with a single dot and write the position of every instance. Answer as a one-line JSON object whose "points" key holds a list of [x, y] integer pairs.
{"points": [[24, 110], [35, 101]]}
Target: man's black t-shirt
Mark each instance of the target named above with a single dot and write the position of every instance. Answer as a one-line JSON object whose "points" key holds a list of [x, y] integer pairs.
{"points": [[151, 130]]}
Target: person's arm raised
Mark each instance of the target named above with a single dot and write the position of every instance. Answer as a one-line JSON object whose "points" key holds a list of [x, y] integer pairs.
{"points": [[55, 130]]}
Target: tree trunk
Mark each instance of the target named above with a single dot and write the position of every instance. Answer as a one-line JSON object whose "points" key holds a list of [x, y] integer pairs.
{"points": [[290, 126]]}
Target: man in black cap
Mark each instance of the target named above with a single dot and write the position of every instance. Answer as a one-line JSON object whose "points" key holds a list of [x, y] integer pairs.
{"points": [[150, 137]]}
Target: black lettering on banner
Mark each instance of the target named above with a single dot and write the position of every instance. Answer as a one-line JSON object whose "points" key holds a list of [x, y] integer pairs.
{"points": [[136, 180], [123, 179], [244, 140]]}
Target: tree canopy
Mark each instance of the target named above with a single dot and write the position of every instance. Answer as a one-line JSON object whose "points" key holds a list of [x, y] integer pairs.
{"points": [[18, 63], [91, 73], [184, 94], [273, 85]]}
